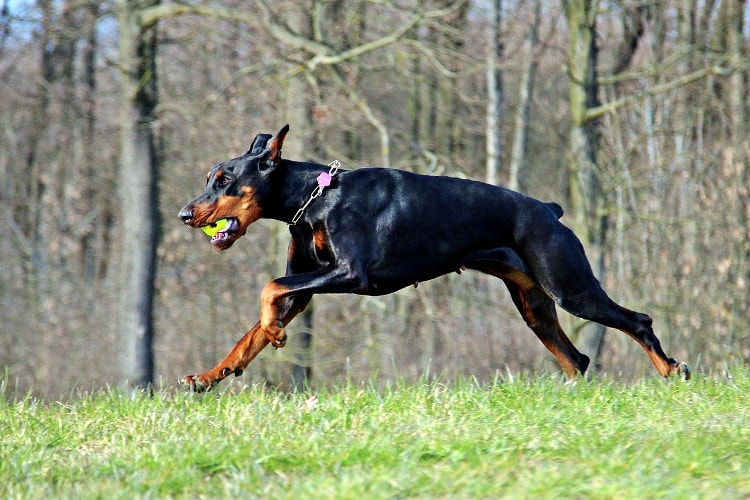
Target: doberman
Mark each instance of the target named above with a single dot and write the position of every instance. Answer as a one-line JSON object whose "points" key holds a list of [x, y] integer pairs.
{"points": [[373, 231]]}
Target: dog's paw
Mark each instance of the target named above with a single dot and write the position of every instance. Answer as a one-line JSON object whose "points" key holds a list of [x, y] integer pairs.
{"points": [[193, 383], [279, 342], [276, 335], [682, 370]]}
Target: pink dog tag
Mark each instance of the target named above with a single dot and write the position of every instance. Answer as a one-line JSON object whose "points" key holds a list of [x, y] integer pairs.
{"points": [[324, 179]]}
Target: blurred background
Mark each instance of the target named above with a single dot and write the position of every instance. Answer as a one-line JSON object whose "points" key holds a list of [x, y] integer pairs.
{"points": [[632, 114]]}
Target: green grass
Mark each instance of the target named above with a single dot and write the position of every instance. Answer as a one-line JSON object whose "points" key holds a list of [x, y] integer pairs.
{"points": [[527, 438]]}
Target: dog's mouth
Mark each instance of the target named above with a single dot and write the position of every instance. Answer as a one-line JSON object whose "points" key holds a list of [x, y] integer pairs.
{"points": [[223, 232]]}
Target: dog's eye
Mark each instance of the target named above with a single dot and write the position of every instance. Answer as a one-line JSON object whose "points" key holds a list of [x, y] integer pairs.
{"points": [[223, 181]]}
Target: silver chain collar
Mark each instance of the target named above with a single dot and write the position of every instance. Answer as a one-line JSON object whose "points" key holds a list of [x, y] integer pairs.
{"points": [[324, 180]]}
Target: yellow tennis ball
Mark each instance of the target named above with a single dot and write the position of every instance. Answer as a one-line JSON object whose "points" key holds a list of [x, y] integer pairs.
{"points": [[214, 228]]}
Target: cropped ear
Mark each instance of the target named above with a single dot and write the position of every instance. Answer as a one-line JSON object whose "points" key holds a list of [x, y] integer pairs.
{"points": [[259, 144], [272, 154]]}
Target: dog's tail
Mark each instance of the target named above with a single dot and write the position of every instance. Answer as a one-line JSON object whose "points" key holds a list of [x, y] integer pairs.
{"points": [[556, 209]]}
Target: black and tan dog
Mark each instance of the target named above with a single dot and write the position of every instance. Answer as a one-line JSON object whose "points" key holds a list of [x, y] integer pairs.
{"points": [[373, 231]]}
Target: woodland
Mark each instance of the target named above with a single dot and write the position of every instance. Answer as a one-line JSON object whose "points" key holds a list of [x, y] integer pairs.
{"points": [[633, 115]]}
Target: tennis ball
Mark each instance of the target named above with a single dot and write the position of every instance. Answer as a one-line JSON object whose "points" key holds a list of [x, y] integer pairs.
{"points": [[213, 229]]}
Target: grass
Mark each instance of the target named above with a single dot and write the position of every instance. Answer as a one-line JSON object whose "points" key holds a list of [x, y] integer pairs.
{"points": [[530, 438]]}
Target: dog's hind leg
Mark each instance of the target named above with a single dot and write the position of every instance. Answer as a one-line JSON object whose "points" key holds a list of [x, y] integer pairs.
{"points": [[597, 306], [560, 265], [536, 308]]}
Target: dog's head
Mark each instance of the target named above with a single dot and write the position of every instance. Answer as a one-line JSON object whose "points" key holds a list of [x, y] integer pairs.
{"points": [[235, 192]]}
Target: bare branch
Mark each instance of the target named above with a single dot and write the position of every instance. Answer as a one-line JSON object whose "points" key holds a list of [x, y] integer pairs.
{"points": [[362, 104], [150, 16], [24, 245], [328, 59], [609, 107], [322, 54], [432, 58]]}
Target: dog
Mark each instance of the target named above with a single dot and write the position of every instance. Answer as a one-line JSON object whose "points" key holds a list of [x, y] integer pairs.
{"points": [[372, 231]]}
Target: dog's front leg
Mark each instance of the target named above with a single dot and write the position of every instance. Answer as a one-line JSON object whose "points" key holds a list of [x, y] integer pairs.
{"points": [[247, 348], [270, 323], [290, 295], [234, 362]]}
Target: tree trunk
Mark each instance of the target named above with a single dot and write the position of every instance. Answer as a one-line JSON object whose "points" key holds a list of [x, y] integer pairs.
{"points": [[36, 266], [138, 193], [526, 89], [297, 145], [585, 194], [92, 203], [46, 161], [494, 94], [738, 157]]}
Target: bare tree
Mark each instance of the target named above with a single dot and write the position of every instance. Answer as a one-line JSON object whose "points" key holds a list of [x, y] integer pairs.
{"points": [[299, 110], [382, 83], [494, 93], [531, 53], [92, 249], [138, 191], [585, 191], [737, 153]]}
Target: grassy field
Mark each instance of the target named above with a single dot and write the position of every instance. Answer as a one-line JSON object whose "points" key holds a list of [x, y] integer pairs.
{"points": [[520, 438]]}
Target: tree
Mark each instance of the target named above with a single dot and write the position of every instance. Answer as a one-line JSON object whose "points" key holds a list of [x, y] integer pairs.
{"points": [[139, 195], [532, 53], [384, 84], [494, 94], [299, 110], [737, 154], [92, 252], [585, 192]]}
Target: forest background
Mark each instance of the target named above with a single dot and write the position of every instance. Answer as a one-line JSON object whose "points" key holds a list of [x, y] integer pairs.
{"points": [[631, 114]]}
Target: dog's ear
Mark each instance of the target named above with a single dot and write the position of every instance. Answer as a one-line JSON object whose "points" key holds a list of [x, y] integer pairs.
{"points": [[272, 154], [259, 144]]}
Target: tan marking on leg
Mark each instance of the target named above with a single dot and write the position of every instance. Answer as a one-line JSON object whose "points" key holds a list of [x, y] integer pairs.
{"points": [[319, 238], [548, 330], [553, 337], [663, 365], [235, 361], [238, 357], [270, 322]]}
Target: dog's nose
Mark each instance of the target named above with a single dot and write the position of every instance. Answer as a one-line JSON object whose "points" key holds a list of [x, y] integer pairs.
{"points": [[186, 214]]}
